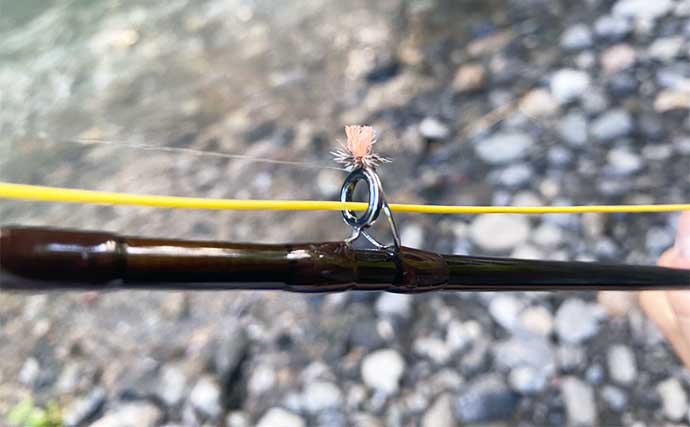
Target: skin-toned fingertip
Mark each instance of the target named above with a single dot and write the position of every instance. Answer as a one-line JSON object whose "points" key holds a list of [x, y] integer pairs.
{"points": [[682, 245]]}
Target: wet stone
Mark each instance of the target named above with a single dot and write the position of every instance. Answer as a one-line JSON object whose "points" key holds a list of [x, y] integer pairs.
{"points": [[533, 351], [394, 305], [486, 399], [527, 380], [622, 161], [642, 9], [505, 310]]}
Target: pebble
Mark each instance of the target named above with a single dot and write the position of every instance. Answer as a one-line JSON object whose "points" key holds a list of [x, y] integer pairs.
{"points": [[666, 49], [321, 395], [440, 414], [139, 414], [505, 310], [526, 251], [504, 147], [576, 321], [434, 129], [171, 385], [412, 235], [262, 379], [595, 102], [643, 10], [329, 182], [613, 28], [460, 335], [469, 77], [433, 348], [674, 400], [577, 37], [527, 380], [611, 125], [534, 351], [614, 397], [618, 58], [579, 402], [515, 175], [84, 409], [29, 372], [279, 417], [658, 239], [486, 399], [538, 103], [568, 84], [382, 370], [205, 398], [499, 232], [670, 99], [548, 236], [537, 320], [237, 419], [394, 305], [573, 129], [623, 162], [621, 363], [570, 357]]}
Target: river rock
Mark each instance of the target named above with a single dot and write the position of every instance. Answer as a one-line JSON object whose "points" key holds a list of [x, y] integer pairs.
{"points": [[613, 28], [382, 370], [568, 84], [205, 398], [486, 399], [432, 128], [576, 37], [611, 125], [504, 147], [577, 321], [621, 363], [579, 401], [139, 414], [499, 232], [674, 400], [275, 417], [440, 414], [321, 395], [642, 9], [573, 129], [618, 58]]}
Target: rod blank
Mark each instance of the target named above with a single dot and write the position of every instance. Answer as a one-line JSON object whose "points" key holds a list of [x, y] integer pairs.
{"points": [[34, 258]]}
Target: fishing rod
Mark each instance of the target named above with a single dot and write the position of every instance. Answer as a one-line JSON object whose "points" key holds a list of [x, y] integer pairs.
{"points": [[40, 259]]}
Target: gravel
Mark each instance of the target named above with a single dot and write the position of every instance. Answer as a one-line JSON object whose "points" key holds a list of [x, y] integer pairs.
{"points": [[504, 147], [579, 401], [622, 366], [132, 414], [499, 232], [577, 321], [280, 417], [674, 399], [486, 399], [382, 370], [569, 84], [611, 125], [474, 108]]}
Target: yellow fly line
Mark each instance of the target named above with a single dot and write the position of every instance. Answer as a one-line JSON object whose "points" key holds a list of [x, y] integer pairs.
{"points": [[69, 195]]}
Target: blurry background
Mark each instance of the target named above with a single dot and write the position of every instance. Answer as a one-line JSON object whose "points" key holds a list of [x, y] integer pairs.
{"points": [[478, 102]]}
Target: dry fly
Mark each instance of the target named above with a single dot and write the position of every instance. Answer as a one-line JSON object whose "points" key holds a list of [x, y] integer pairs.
{"points": [[358, 151]]}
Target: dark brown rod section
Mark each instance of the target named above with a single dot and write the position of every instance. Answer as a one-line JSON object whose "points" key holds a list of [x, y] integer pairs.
{"points": [[35, 259]]}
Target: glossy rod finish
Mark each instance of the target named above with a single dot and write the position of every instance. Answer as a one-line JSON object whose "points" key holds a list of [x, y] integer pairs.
{"points": [[33, 258]]}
